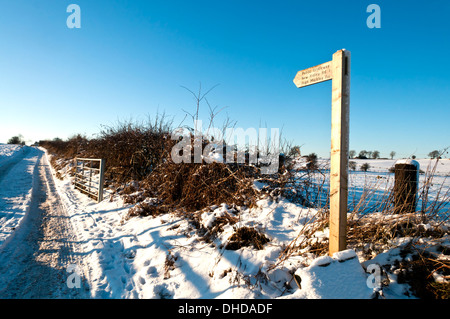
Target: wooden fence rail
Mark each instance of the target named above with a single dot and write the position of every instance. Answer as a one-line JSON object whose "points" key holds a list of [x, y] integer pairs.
{"points": [[89, 177]]}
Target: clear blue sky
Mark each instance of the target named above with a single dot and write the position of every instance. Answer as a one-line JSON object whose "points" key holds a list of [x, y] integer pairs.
{"points": [[129, 59]]}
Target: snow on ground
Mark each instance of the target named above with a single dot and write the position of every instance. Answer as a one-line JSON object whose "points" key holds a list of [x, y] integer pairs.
{"points": [[165, 257], [18, 167], [375, 184], [37, 255], [383, 165], [339, 276], [9, 151]]}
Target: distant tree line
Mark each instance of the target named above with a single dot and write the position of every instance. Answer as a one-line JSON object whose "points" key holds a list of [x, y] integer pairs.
{"points": [[436, 154], [18, 139], [367, 154]]}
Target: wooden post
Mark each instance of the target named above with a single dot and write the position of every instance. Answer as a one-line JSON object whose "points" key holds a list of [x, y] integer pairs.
{"points": [[337, 70], [340, 110], [406, 186]]}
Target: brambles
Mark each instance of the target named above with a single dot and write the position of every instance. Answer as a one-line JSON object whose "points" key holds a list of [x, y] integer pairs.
{"points": [[312, 161], [294, 151], [147, 207], [130, 150], [195, 186], [139, 156], [425, 273], [246, 236], [218, 224]]}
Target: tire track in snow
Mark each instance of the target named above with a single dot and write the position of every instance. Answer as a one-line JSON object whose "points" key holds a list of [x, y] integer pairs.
{"points": [[35, 259]]}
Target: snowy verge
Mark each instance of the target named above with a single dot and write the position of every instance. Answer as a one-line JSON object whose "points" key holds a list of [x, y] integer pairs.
{"points": [[340, 276], [9, 152], [16, 189], [168, 256], [165, 257]]}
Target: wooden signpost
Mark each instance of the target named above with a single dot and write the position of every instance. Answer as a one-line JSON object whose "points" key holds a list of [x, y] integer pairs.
{"points": [[337, 70]]}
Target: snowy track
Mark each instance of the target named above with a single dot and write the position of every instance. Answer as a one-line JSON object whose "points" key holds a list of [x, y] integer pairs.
{"points": [[37, 254]]}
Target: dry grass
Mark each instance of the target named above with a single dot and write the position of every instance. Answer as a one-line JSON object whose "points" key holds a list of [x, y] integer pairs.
{"points": [[169, 264], [218, 224], [246, 236], [130, 150], [420, 272], [192, 187], [373, 224], [306, 242], [139, 156]]}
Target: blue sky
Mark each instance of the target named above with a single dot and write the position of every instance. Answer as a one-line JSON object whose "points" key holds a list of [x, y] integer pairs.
{"points": [[130, 59]]}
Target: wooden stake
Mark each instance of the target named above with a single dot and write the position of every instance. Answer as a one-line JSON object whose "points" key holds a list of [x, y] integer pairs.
{"points": [[337, 70], [340, 110]]}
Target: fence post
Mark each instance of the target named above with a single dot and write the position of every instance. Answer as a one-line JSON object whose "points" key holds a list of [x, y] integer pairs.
{"points": [[100, 186], [406, 186], [340, 110], [76, 170]]}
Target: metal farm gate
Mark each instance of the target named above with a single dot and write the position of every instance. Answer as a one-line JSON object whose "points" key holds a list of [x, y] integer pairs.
{"points": [[89, 176]]}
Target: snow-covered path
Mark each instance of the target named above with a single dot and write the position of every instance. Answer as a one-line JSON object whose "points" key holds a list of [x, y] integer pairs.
{"points": [[35, 258], [17, 174]]}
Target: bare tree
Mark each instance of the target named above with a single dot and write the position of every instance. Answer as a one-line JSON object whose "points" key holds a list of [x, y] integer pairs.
{"points": [[312, 161]]}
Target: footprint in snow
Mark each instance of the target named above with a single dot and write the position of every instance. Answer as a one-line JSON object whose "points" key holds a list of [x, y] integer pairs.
{"points": [[162, 292], [152, 271]]}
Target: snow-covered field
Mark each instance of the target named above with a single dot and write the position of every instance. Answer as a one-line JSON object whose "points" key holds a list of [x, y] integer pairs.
{"points": [[374, 185], [165, 257], [383, 165]]}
